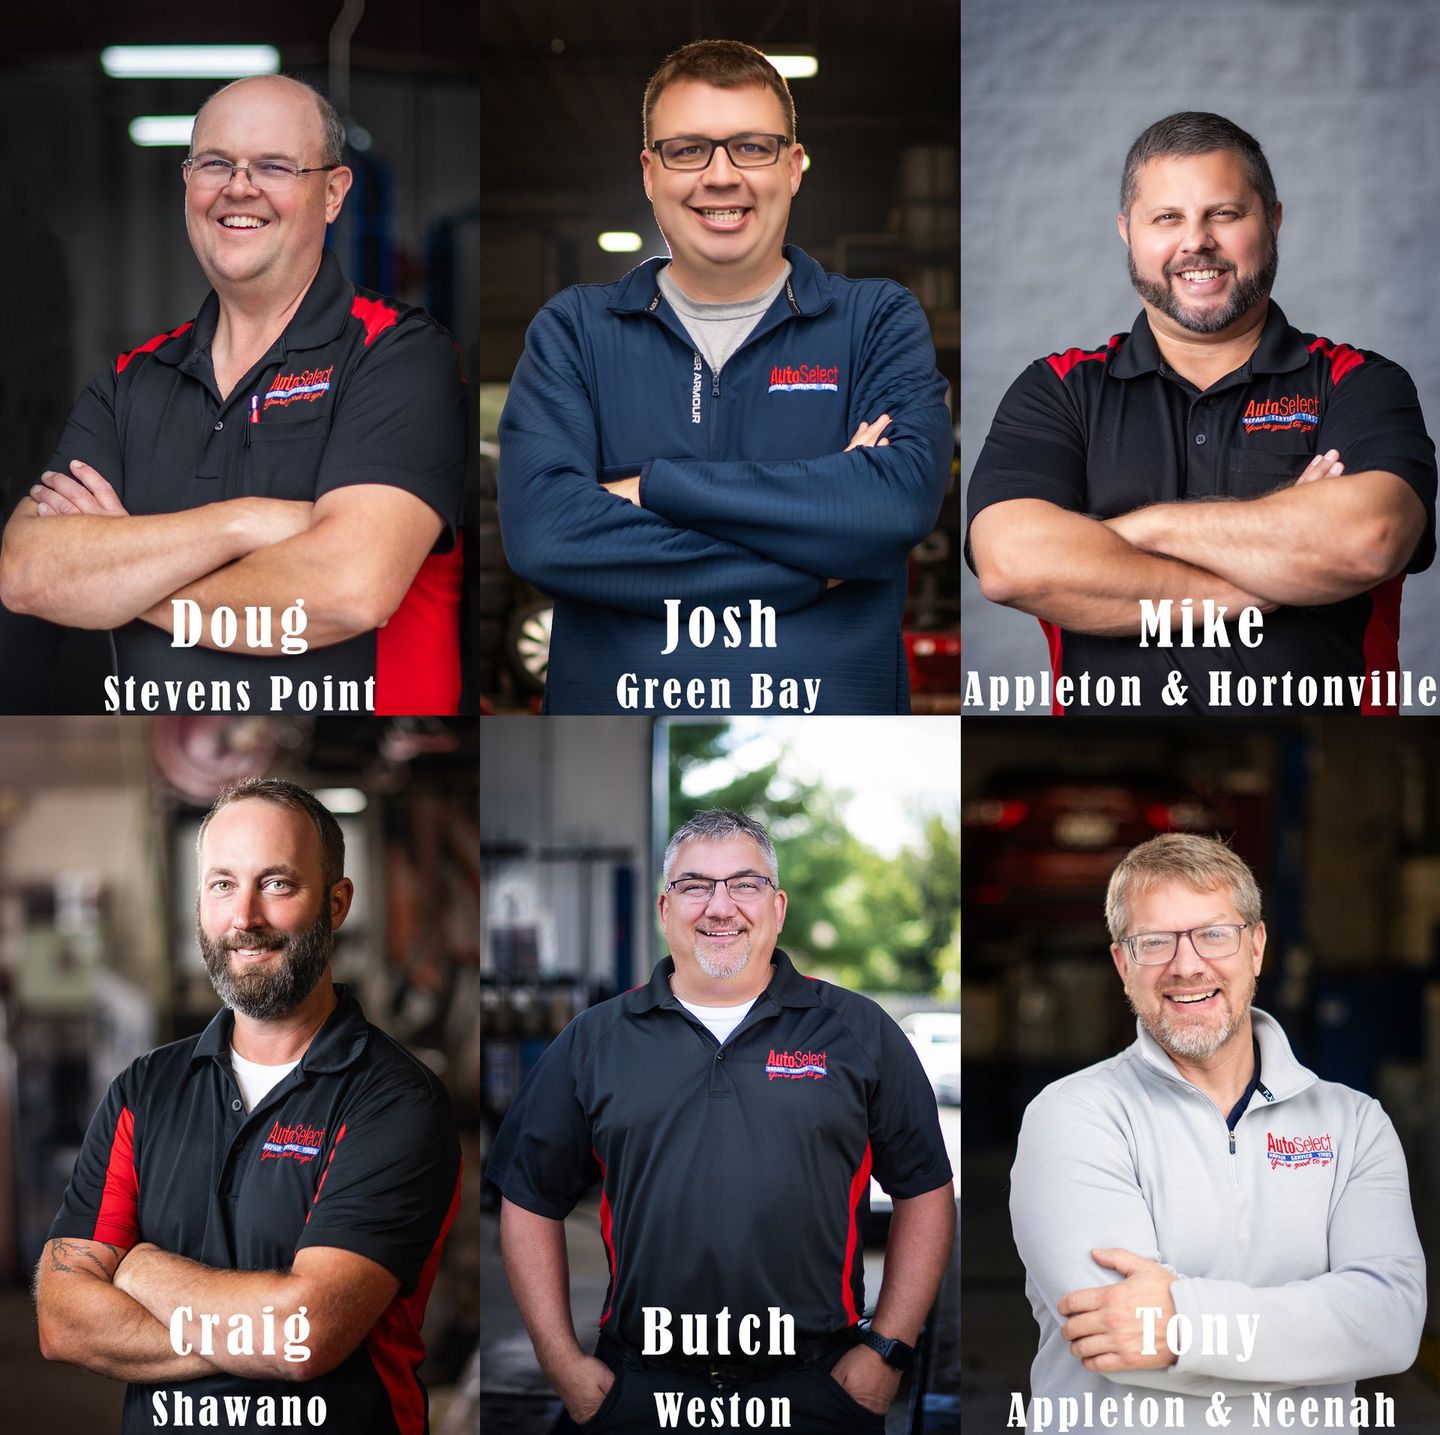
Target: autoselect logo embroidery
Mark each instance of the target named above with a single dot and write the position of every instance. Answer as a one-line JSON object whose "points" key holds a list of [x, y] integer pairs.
{"points": [[795, 1065], [1290, 1152], [787, 380], [300, 1143], [308, 385], [1295, 411]]}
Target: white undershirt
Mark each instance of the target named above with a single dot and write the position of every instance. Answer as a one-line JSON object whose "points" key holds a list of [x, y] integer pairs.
{"points": [[257, 1081], [721, 1020]]}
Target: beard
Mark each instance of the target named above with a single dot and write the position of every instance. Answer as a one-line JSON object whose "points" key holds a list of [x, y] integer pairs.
{"points": [[721, 967], [1197, 1040], [1245, 294], [274, 988]]}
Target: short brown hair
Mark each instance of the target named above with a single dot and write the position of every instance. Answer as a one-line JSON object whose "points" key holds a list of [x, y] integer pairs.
{"points": [[726, 64], [297, 799], [1199, 863]]}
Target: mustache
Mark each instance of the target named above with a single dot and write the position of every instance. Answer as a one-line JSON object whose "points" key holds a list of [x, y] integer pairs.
{"points": [[255, 941], [1199, 261]]}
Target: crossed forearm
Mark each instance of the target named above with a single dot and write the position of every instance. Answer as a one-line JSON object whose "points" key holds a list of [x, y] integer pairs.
{"points": [[87, 1321], [1303, 545], [1080, 573]]}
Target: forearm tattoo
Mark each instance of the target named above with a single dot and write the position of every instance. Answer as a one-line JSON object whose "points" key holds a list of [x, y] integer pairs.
{"points": [[62, 1251]]}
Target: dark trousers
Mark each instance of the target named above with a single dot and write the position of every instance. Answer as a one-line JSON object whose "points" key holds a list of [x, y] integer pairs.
{"points": [[817, 1404]]}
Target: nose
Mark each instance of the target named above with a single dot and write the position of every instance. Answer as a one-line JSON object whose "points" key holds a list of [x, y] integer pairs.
{"points": [[1195, 962], [1197, 237], [721, 901], [721, 171], [240, 188], [246, 914]]}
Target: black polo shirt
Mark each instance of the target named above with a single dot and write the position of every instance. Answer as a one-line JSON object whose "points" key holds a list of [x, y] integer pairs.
{"points": [[173, 1158], [358, 389], [1108, 430], [734, 1175]]}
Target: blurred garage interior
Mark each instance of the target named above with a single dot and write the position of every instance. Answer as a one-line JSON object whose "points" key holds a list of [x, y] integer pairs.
{"points": [[98, 964]]}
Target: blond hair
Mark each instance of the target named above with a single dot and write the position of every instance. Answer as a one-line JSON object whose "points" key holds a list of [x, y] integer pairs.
{"points": [[1199, 863]]}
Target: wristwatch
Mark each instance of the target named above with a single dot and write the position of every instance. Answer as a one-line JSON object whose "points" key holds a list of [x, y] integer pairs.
{"points": [[895, 1353]]}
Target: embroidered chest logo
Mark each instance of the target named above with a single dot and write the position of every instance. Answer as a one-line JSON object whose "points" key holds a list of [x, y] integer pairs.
{"points": [[795, 1065], [1293, 412], [306, 386], [298, 1143], [1290, 1152], [787, 380]]}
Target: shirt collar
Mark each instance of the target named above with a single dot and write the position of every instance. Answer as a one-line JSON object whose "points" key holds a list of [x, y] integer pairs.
{"points": [[639, 290], [334, 1047], [1284, 1075], [1280, 350], [787, 987], [319, 319]]}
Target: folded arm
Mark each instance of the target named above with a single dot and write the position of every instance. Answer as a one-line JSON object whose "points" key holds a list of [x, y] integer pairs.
{"points": [[570, 538], [340, 1293], [1080, 573], [1302, 545], [351, 566], [100, 567], [85, 1320], [850, 515]]}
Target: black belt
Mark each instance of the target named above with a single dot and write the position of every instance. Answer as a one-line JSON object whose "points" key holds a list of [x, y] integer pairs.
{"points": [[731, 1372]]}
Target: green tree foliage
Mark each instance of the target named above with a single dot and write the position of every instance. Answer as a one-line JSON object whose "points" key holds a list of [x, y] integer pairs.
{"points": [[870, 922]]}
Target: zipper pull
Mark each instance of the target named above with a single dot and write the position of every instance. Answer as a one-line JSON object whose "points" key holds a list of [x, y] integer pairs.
{"points": [[1232, 1143]]}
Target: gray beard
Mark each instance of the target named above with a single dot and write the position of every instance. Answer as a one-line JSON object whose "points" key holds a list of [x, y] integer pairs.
{"points": [[1247, 293], [274, 990], [717, 971], [1193, 1042]]}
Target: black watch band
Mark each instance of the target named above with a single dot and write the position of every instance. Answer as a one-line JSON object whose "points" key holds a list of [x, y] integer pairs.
{"points": [[895, 1353]]}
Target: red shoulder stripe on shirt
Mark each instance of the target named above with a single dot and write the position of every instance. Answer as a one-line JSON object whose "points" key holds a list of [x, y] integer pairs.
{"points": [[417, 653], [859, 1184], [1063, 363], [339, 1137], [1382, 639], [150, 345], [375, 316], [118, 1221], [1342, 358], [395, 1344]]}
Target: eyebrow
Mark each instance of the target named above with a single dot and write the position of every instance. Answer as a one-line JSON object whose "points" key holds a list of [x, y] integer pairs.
{"points": [[271, 154], [275, 869], [706, 877]]}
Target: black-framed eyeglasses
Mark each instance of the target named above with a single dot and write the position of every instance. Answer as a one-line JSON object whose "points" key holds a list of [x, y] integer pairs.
{"points": [[743, 887], [211, 172], [747, 151], [1214, 942]]}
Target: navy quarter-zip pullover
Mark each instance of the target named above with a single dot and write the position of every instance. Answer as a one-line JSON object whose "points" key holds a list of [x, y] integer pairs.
{"points": [[746, 489]]}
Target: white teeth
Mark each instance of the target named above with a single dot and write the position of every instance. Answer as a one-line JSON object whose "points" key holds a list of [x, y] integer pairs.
{"points": [[723, 216], [243, 221], [1199, 276], [1201, 997]]}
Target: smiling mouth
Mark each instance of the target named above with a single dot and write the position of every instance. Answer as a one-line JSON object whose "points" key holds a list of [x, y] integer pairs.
{"points": [[719, 933], [236, 222], [1200, 276], [732, 215], [1192, 998]]}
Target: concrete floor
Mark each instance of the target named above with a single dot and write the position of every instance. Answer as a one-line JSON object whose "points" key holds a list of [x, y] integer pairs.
{"points": [[516, 1399]]}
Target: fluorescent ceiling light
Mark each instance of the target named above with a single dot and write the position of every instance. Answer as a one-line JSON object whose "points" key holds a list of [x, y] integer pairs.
{"points": [[342, 801], [795, 67], [152, 130], [619, 241], [188, 62]]}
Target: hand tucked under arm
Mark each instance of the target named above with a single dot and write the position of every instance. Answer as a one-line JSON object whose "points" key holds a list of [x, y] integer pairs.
{"points": [[352, 566], [1104, 1330], [340, 1294], [86, 1320], [1316, 541], [1081, 573], [87, 563]]}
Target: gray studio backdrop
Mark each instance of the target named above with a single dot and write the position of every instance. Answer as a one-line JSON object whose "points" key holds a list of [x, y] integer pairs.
{"points": [[1344, 98]]}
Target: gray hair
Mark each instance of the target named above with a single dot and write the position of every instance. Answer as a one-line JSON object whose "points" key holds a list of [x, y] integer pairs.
{"points": [[1197, 132], [297, 799], [332, 149], [715, 824], [1199, 863]]}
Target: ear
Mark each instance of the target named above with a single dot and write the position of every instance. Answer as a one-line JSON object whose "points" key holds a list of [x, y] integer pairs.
{"points": [[647, 159], [1276, 215], [1121, 959], [342, 894], [797, 167], [781, 902], [1257, 947], [662, 906], [337, 186], [1122, 223]]}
